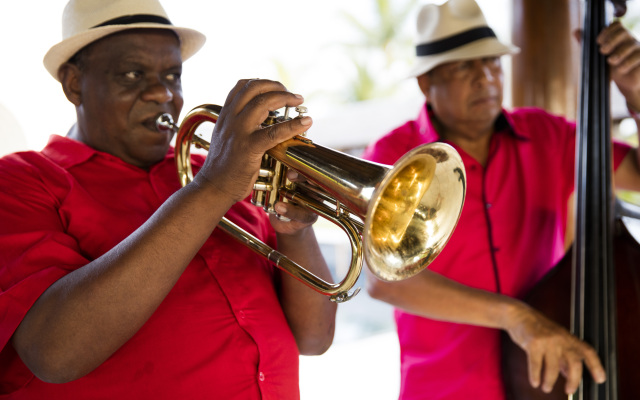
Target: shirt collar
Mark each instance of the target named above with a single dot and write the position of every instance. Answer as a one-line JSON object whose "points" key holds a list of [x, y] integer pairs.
{"points": [[503, 123], [68, 152]]}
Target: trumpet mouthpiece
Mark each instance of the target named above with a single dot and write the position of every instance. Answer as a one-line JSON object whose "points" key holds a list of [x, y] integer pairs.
{"points": [[165, 121]]}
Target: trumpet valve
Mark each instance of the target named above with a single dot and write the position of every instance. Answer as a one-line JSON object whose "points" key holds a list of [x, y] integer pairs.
{"points": [[264, 184], [301, 110], [271, 119]]}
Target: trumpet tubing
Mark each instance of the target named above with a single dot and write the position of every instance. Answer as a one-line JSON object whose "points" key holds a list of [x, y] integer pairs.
{"points": [[398, 218]]}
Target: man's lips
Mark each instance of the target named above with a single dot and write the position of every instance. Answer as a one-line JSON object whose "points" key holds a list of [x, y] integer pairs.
{"points": [[485, 100]]}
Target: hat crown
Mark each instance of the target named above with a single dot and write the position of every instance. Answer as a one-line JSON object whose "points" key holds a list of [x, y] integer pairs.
{"points": [[453, 31], [436, 22], [82, 15], [85, 21]]}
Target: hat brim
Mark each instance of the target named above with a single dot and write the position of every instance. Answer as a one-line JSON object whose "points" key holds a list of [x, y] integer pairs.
{"points": [[489, 47], [190, 42]]}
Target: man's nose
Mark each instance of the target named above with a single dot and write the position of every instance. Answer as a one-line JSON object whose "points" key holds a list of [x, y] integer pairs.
{"points": [[484, 72], [157, 92]]}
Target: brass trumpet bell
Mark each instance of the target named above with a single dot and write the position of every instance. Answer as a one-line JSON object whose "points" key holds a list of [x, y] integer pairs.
{"points": [[413, 211], [401, 216]]}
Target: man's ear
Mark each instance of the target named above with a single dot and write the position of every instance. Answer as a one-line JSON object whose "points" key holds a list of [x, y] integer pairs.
{"points": [[69, 76], [424, 81]]}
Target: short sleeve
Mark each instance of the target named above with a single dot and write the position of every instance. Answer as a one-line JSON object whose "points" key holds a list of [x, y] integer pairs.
{"points": [[35, 251]]}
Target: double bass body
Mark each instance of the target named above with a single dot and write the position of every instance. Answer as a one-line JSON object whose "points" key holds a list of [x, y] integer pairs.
{"points": [[552, 296], [595, 289]]}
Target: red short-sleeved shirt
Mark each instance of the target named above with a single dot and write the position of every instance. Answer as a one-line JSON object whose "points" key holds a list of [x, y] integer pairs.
{"points": [[219, 333], [512, 225]]}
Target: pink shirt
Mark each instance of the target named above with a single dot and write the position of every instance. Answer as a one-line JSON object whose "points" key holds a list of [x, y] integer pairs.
{"points": [[220, 332], [510, 234]]}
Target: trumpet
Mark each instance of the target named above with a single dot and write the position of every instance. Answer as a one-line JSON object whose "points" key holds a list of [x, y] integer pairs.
{"points": [[399, 217]]}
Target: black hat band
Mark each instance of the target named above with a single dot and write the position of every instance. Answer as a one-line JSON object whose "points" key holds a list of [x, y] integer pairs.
{"points": [[135, 19], [451, 42]]}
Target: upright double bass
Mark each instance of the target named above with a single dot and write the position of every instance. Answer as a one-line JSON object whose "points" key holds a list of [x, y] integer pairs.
{"points": [[595, 289]]}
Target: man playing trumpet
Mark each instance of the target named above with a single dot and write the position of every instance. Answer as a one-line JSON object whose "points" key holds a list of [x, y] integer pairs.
{"points": [[114, 282]]}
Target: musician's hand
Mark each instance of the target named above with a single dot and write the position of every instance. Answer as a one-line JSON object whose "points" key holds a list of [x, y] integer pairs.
{"points": [[553, 348], [623, 55], [298, 217], [238, 141]]}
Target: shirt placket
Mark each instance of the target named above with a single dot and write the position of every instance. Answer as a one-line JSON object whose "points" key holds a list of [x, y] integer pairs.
{"points": [[488, 206]]}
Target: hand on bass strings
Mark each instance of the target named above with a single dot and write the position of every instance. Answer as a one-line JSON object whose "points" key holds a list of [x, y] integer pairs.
{"points": [[551, 350], [623, 56]]}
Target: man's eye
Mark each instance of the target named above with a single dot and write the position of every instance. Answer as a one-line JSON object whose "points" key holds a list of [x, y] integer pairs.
{"points": [[132, 75], [173, 77], [494, 61]]}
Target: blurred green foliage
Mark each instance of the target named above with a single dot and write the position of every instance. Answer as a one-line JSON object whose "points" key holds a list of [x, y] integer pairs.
{"points": [[378, 46]]}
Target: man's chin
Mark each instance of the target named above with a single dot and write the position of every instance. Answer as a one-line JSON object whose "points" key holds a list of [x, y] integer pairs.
{"points": [[146, 156], [487, 111]]}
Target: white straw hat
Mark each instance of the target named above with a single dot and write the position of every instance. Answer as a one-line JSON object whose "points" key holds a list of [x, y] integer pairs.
{"points": [[454, 31], [85, 21]]}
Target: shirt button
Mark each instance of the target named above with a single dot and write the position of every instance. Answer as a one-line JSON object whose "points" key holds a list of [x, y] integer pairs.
{"points": [[261, 376], [241, 313], [488, 205]]}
